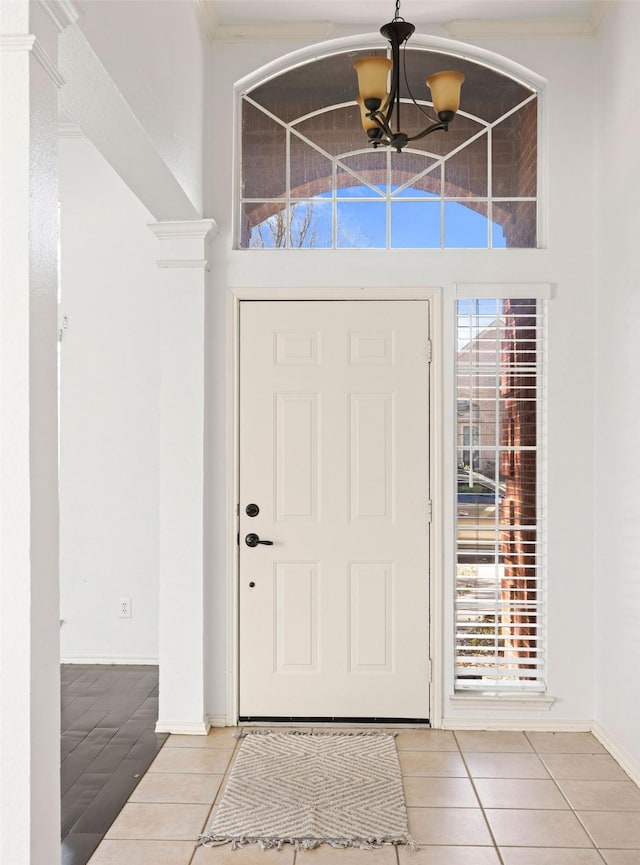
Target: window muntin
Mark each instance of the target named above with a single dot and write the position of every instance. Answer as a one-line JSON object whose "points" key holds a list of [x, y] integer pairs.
{"points": [[302, 141], [499, 612]]}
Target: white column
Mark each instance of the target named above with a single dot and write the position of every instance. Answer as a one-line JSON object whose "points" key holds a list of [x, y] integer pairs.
{"points": [[29, 606], [182, 261]]}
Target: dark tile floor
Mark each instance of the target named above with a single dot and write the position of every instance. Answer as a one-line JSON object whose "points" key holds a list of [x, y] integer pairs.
{"points": [[108, 743]]}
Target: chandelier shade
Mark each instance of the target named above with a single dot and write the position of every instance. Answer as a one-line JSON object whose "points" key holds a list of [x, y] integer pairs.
{"points": [[373, 76], [445, 91], [379, 91]]}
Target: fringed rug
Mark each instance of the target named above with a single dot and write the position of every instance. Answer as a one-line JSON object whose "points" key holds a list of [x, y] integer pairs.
{"points": [[309, 789]]}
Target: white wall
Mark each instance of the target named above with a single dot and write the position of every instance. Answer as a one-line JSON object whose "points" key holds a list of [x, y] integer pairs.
{"points": [[153, 52], [617, 412], [110, 381], [566, 262]]}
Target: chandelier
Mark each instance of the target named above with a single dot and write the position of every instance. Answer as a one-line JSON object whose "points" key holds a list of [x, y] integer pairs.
{"points": [[379, 103]]}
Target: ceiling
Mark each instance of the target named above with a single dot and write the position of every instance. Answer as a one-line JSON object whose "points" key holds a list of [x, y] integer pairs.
{"points": [[343, 12]]}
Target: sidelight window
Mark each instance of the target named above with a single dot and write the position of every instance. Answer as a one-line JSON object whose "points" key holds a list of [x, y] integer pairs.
{"points": [[499, 592]]}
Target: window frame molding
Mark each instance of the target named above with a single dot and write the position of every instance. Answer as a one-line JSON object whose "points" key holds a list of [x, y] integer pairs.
{"points": [[372, 41], [460, 709]]}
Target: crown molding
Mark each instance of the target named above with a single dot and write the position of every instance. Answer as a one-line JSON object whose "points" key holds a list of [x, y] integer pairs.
{"points": [[192, 229], [47, 64], [17, 43], [28, 42], [208, 18], [184, 243], [62, 13], [522, 28], [257, 31], [270, 31], [599, 11]]}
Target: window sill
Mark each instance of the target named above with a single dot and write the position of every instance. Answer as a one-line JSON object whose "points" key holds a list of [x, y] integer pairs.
{"points": [[492, 701]]}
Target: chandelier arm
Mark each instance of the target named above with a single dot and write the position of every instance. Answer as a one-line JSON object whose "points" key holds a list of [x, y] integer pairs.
{"points": [[413, 98], [381, 122], [433, 128]]}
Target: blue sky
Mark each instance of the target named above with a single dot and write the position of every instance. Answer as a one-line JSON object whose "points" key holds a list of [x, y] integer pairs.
{"points": [[415, 222]]}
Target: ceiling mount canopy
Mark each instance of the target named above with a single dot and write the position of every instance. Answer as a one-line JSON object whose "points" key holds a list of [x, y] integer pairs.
{"points": [[379, 101]]}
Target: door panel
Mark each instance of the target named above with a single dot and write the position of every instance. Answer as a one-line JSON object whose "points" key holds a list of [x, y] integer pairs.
{"points": [[372, 462], [371, 616], [296, 467], [334, 450], [296, 614]]}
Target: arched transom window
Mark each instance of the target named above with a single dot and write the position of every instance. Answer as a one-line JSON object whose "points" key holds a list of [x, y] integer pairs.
{"points": [[310, 179]]}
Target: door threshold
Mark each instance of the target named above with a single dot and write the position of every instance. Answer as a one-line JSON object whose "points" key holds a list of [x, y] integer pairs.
{"points": [[333, 721]]}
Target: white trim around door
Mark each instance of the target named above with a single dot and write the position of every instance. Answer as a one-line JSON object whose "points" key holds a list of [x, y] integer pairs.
{"points": [[437, 555]]}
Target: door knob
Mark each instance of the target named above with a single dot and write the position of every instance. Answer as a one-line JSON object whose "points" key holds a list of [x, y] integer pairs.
{"points": [[252, 540]]}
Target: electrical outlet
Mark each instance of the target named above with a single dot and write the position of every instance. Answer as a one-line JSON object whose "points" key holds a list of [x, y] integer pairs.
{"points": [[124, 608]]}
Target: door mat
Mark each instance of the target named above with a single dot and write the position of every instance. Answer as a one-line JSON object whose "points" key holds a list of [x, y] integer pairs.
{"points": [[308, 789]]}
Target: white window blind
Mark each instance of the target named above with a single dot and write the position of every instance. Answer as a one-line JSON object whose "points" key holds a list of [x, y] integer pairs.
{"points": [[499, 606]]}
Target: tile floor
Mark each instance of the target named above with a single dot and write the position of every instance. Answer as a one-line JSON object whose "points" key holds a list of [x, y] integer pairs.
{"points": [[474, 798], [108, 742]]}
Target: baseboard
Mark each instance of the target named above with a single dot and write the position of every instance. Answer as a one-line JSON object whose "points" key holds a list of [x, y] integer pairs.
{"points": [[628, 763], [83, 659], [219, 721], [534, 724], [183, 728]]}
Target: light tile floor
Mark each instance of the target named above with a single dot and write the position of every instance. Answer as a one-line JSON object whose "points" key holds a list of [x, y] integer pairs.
{"points": [[473, 798]]}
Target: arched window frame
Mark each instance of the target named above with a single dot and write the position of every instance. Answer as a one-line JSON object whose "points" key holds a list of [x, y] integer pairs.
{"points": [[448, 48]]}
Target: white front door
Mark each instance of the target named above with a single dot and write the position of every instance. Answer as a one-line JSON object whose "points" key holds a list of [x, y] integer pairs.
{"points": [[334, 425]]}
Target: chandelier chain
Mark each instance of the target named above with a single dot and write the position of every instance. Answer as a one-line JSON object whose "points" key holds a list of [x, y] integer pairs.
{"points": [[398, 16]]}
